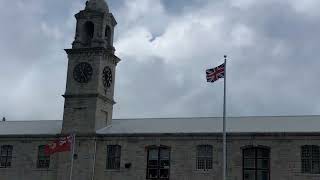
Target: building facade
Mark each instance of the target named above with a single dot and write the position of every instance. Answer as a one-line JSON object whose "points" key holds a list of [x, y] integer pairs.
{"points": [[274, 148]]}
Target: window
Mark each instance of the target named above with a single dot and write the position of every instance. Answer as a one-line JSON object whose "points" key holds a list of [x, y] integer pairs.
{"points": [[43, 159], [256, 162], [204, 157], [6, 156], [158, 165], [88, 32], [113, 157], [108, 35], [310, 159]]}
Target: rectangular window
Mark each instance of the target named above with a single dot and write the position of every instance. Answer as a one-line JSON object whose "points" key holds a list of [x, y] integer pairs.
{"points": [[310, 159], [256, 163], [158, 165], [113, 157], [6, 156], [43, 159], [204, 157]]}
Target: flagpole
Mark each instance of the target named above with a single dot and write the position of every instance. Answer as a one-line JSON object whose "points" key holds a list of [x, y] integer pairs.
{"points": [[72, 155], [224, 122], [94, 158]]}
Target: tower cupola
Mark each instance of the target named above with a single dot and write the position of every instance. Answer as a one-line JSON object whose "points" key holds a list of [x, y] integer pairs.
{"points": [[95, 26], [97, 5]]}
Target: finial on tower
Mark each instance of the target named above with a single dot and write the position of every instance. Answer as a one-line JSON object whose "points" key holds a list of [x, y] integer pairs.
{"points": [[97, 5]]}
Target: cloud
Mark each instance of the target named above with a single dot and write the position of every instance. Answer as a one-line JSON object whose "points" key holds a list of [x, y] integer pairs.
{"points": [[165, 47]]}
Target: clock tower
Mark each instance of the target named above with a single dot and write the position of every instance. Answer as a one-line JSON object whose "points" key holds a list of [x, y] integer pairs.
{"points": [[91, 71]]}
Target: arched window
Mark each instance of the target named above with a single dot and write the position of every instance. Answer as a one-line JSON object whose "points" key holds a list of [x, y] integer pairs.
{"points": [[204, 157], [310, 159], [158, 163], [6, 156], [108, 35], [113, 157], [88, 32], [256, 162]]}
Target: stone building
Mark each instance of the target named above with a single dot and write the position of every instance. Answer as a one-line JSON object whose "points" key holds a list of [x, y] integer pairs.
{"points": [[258, 148]]}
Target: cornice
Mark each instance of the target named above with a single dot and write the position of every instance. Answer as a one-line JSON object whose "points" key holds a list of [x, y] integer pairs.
{"points": [[94, 95]]}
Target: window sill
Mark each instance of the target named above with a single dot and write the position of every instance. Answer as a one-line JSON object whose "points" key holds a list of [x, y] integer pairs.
{"points": [[308, 174], [43, 169], [112, 170], [201, 171]]}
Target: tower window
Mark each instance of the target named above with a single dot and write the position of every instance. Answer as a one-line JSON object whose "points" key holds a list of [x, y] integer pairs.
{"points": [[88, 31], [108, 35]]}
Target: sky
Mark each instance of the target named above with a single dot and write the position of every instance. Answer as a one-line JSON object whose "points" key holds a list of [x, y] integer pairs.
{"points": [[165, 47]]}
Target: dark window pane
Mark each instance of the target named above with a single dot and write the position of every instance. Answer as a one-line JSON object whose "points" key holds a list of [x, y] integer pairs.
{"points": [[164, 173], [113, 156], [201, 164], [306, 166], [263, 175], [263, 153], [164, 163], [315, 166], [209, 164], [152, 173], [153, 162], [249, 163], [153, 154], [249, 175], [263, 163], [164, 154], [249, 153]]}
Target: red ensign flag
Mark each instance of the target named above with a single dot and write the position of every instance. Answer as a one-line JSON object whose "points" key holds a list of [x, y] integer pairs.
{"points": [[60, 145]]}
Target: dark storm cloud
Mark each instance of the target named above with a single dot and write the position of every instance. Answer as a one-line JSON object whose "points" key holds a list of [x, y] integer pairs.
{"points": [[165, 47]]}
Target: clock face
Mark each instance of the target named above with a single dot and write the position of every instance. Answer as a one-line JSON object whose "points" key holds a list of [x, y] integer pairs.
{"points": [[107, 77], [82, 72]]}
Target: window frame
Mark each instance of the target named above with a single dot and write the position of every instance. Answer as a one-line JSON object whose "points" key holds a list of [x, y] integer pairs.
{"points": [[256, 158], [7, 156], [207, 158], [158, 167], [113, 161], [43, 160], [311, 160]]}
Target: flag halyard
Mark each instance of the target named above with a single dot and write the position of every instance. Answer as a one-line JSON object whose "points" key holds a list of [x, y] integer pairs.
{"points": [[215, 73]]}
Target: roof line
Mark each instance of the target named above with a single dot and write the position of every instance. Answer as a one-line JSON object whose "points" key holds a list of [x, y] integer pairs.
{"points": [[26, 121], [218, 117], [201, 117]]}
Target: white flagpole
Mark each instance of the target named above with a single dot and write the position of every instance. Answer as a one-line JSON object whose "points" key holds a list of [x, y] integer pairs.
{"points": [[224, 122], [72, 154]]}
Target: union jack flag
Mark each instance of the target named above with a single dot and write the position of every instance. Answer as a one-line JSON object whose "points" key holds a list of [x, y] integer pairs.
{"points": [[215, 73]]}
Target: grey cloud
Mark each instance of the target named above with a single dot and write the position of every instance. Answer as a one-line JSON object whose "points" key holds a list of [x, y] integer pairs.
{"points": [[274, 73]]}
